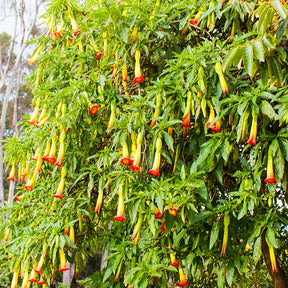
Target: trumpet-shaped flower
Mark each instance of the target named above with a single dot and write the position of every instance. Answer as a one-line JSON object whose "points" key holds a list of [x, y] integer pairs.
{"points": [[11, 176], [63, 265], [138, 75], [270, 173], [125, 160], [30, 183], [33, 276], [173, 260], [226, 230], [137, 158], [120, 210], [183, 282], [155, 169], [253, 132]]}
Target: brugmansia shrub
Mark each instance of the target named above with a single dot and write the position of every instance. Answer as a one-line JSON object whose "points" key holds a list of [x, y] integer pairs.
{"points": [[159, 132]]}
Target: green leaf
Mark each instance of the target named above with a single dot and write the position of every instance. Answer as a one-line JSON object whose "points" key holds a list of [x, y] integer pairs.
{"points": [[276, 68], [279, 165], [259, 50], [169, 141], [268, 110], [225, 150], [281, 29], [257, 249], [183, 172], [202, 215], [124, 34], [214, 235], [229, 274], [248, 59], [152, 225], [229, 58], [108, 272], [270, 236], [279, 8]]}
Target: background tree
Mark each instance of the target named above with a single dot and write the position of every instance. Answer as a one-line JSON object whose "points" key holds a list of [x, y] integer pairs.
{"points": [[12, 68], [159, 134]]}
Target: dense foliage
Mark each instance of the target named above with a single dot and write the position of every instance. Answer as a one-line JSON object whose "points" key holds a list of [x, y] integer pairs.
{"points": [[191, 95]]}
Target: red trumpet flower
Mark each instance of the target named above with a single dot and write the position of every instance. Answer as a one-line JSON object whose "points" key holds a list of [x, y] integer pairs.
{"points": [[63, 266], [155, 169], [93, 109], [253, 132]]}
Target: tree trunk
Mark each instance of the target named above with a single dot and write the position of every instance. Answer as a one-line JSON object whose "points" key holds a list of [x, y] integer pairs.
{"points": [[278, 277], [68, 275]]}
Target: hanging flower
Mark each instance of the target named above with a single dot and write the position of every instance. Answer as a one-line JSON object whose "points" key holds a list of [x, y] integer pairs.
{"points": [[25, 278], [99, 200], [225, 237], [112, 118], [217, 126], [201, 82], [51, 157], [183, 282], [137, 158], [71, 235], [98, 55], [187, 113], [195, 20], [35, 55], [38, 164], [41, 282], [158, 214], [61, 148], [270, 174], [120, 210], [30, 183], [138, 76], [162, 227], [63, 266], [134, 34], [47, 151], [125, 160], [18, 198], [33, 276], [57, 34], [12, 173], [157, 110], [155, 169], [211, 116], [136, 232], [218, 69], [42, 259], [253, 131], [34, 115], [15, 276], [73, 22], [25, 172], [61, 184], [124, 73], [173, 263], [173, 211]]}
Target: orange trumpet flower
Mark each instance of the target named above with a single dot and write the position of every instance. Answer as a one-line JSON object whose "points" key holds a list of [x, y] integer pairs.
{"points": [[125, 160], [270, 174], [12, 173], [253, 132], [174, 262], [120, 210], [138, 76], [137, 158], [183, 282], [225, 237], [155, 169], [30, 183], [63, 265]]}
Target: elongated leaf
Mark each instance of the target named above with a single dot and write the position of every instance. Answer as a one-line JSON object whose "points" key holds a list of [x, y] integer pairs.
{"points": [[248, 59], [229, 274], [270, 236], [276, 68], [281, 29], [169, 141], [259, 50], [229, 58], [268, 110], [279, 8], [214, 235]]}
